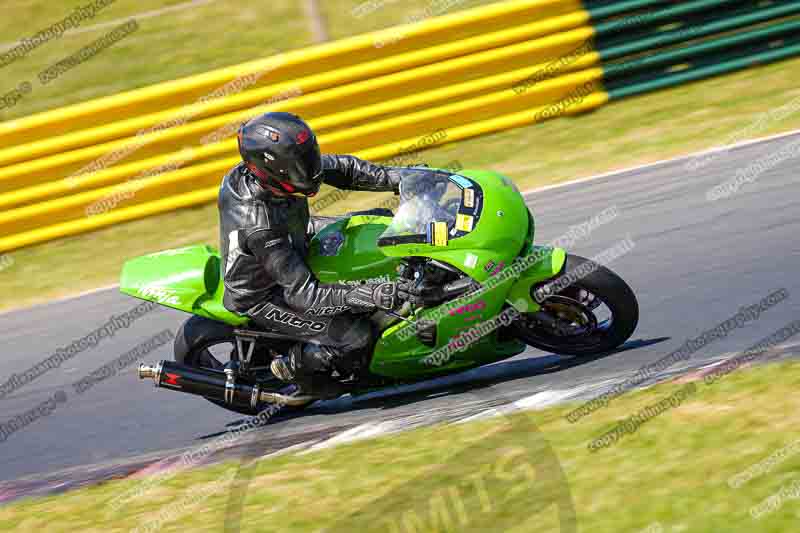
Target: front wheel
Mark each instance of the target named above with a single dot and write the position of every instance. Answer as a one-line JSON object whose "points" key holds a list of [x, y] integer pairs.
{"points": [[596, 313]]}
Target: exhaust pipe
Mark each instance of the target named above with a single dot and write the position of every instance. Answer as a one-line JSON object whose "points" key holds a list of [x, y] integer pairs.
{"points": [[214, 385], [149, 371]]}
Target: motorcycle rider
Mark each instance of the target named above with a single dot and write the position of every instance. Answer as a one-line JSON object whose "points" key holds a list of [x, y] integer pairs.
{"points": [[265, 229]]}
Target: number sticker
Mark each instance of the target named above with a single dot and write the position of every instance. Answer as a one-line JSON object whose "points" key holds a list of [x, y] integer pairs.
{"points": [[464, 222], [469, 197]]}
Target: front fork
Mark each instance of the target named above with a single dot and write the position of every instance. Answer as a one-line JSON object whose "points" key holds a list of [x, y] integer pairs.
{"points": [[540, 264]]}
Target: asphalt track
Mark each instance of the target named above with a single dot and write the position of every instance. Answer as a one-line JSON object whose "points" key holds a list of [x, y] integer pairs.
{"points": [[694, 264]]}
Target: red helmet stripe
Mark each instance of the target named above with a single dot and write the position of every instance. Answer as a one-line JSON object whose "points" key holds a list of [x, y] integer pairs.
{"points": [[257, 171], [267, 181]]}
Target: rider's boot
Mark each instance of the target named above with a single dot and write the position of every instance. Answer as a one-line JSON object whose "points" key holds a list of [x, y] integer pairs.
{"points": [[310, 367], [284, 367]]}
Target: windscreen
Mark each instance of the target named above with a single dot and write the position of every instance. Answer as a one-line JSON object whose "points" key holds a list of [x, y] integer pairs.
{"points": [[425, 196]]}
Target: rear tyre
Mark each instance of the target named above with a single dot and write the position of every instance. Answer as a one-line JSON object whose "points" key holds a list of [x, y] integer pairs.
{"points": [[200, 343], [595, 314]]}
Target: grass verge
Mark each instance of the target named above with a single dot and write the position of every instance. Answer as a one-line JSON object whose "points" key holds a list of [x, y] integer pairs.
{"points": [[675, 471], [343, 16], [175, 38]]}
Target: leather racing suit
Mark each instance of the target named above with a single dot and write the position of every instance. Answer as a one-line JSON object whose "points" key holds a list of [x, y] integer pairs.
{"points": [[264, 242]]}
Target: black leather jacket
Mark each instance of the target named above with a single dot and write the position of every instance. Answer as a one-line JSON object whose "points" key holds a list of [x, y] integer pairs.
{"points": [[264, 238]]}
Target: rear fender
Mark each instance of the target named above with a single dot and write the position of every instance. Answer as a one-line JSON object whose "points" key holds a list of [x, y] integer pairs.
{"points": [[541, 264]]}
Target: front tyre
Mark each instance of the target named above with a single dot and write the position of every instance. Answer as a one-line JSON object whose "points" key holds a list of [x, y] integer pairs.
{"points": [[596, 313]]}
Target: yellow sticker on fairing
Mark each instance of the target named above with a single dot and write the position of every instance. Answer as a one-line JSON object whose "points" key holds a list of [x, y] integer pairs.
{"points": [[469, 198], [464, 222], [440, 233]]}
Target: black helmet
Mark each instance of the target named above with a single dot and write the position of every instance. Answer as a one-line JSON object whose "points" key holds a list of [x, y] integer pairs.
{"points": [[282, 152]]}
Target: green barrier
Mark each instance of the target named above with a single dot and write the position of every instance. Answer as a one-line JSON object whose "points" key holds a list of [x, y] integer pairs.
{"points": [[639, 41], [701, 53], [703, 72], [604, 9], [694, 31], [647, 17]]}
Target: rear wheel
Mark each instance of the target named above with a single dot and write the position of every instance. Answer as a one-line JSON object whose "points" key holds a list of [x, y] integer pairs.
{"points": [[595, 314], [205, 343]]}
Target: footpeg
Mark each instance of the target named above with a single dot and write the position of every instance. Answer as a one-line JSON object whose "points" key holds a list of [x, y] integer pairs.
{"points": [[280, 368]]}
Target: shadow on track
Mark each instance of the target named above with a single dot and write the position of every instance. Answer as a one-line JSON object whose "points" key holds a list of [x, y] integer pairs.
{"points": [[468, 381]]}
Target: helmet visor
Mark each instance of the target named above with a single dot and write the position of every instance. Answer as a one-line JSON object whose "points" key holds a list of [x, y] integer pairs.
{"points": [[305, 172]]}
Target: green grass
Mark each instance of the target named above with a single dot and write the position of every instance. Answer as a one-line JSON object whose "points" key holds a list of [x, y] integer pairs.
{"points": [[345, 18], [674, 471]]}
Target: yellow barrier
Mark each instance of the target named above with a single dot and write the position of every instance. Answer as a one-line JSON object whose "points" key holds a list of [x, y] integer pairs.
{"points": [[324, 58], [116, 216], [396, 103], [353, 139], [373, 102], [203, 196], [140, 169], [118, 128]]}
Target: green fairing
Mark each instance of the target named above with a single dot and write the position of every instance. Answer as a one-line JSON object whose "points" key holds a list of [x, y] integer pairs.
{"points": [[359, 257], [398, 353], [497, 238], [551, 262], [189, 279]]}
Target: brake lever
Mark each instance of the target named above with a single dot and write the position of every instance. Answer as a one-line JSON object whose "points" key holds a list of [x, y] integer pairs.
{"points": [[401, 317]]}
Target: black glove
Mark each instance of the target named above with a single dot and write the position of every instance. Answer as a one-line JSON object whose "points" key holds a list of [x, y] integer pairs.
{"points": [[433, 295], [385, 296], [425, 296]]}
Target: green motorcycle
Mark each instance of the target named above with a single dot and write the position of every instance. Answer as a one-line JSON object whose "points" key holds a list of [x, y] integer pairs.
{"points": [[471, 232]]}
